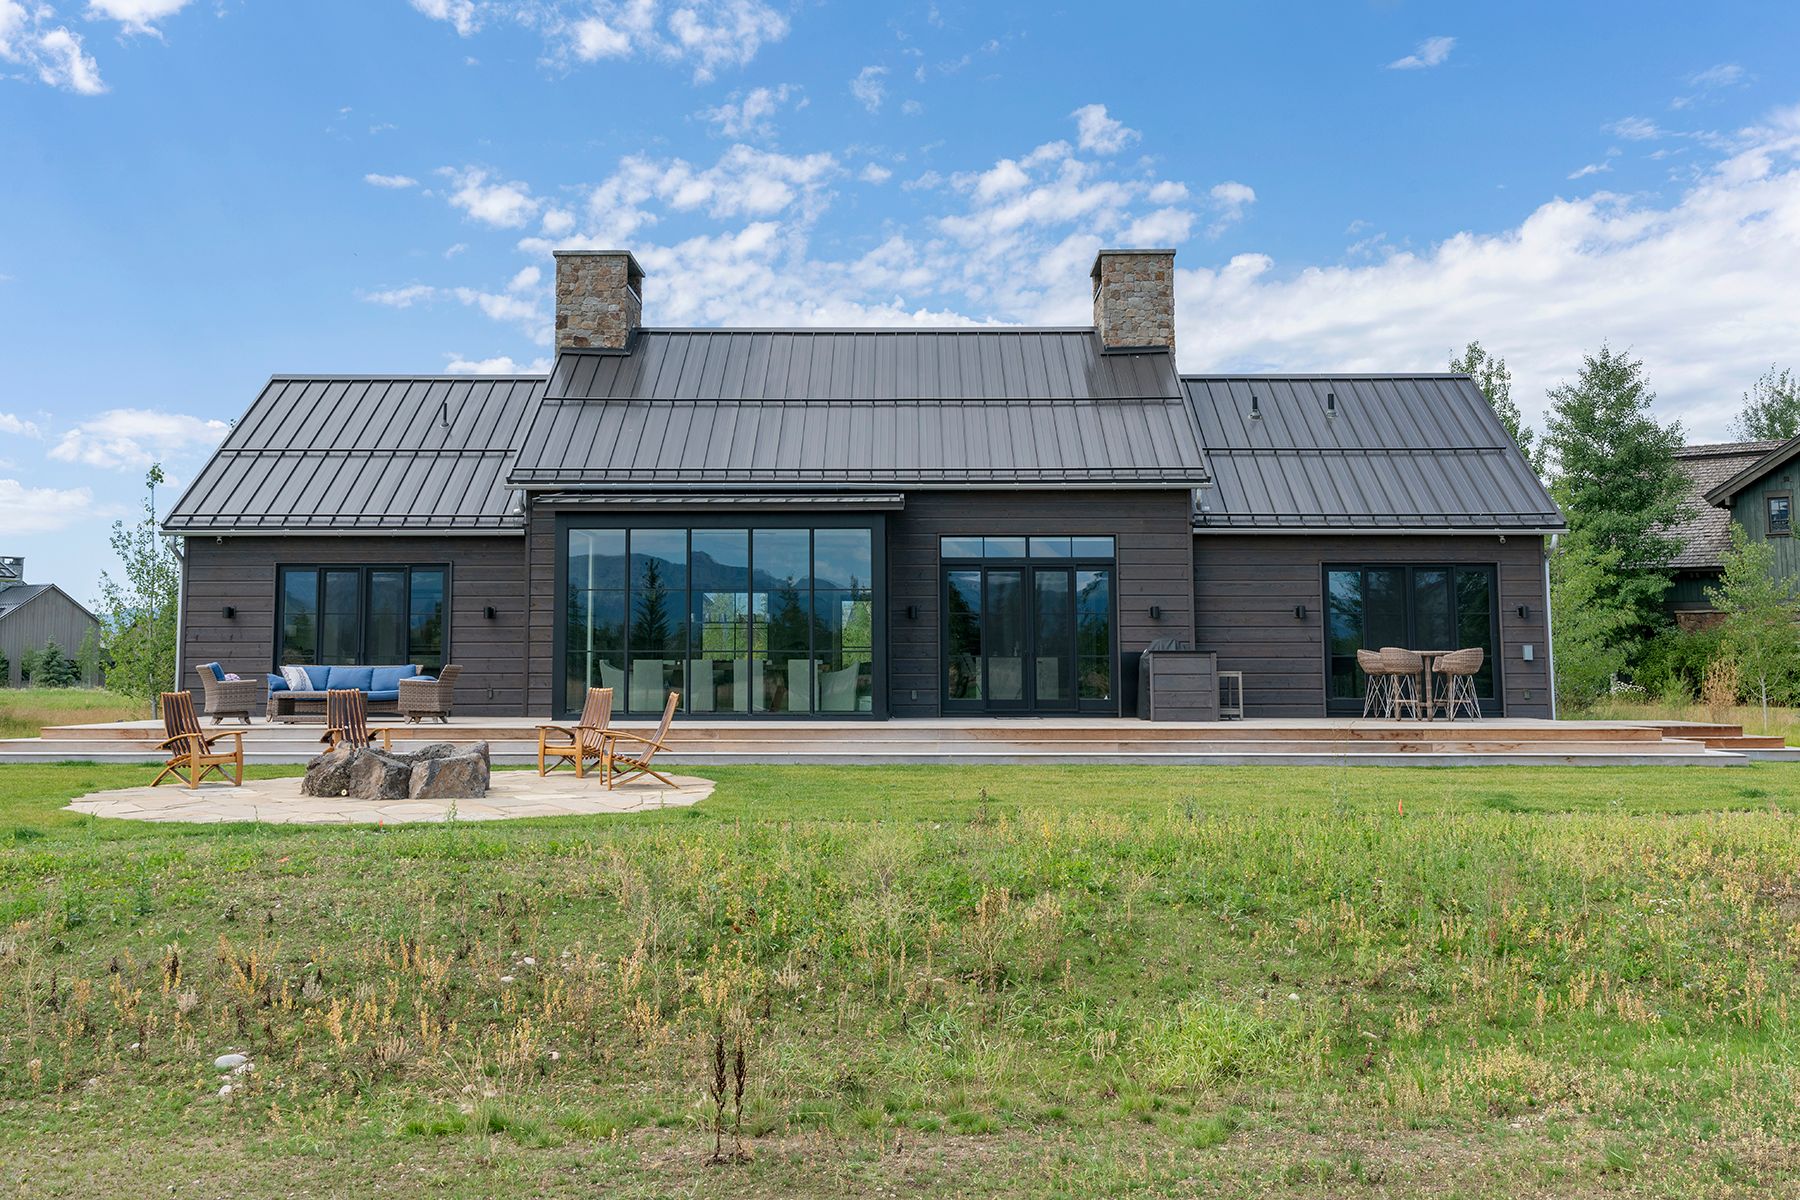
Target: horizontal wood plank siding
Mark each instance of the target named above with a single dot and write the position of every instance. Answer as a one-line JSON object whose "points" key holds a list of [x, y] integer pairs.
{"points": [[1246, 587], [240, 572], [1154, 544]]}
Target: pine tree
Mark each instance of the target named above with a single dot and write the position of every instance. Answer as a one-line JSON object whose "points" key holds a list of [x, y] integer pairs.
{"points": [[1617, 480], [5, 670], [1495, 382], [54, 668], [1771, 409], [1759, 607]]}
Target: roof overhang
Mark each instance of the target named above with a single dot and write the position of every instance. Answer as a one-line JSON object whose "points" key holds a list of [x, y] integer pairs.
{"points": [[1722, 495], [696, 501]]}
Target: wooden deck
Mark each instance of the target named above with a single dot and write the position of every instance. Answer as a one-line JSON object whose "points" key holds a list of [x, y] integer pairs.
{"points": [[1027, 740]]}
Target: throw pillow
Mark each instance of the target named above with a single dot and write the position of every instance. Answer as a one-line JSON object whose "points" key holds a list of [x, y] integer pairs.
{"points": [[231, 675], [296, 678]]}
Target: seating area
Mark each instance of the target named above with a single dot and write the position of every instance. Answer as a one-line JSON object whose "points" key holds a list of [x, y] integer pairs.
{"points": [[1420, 684], [298, 693], [620, 754]]}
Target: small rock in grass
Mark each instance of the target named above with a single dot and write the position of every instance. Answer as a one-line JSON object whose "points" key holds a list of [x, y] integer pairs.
{"points": [[230, 1062], [506, 979], [224, 1090]]}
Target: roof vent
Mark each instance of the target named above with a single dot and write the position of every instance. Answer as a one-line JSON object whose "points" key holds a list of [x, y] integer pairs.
{"points": [[1331, 404], [1255, 408]]}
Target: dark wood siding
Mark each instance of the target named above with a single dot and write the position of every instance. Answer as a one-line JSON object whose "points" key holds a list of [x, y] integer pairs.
{"points": [[1246, 587], [1155, 548], [484, 571], [47, 616]]}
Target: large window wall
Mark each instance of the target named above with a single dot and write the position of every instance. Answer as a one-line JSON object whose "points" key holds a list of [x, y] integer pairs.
{"points": [[756, 618], [356, 615], [1431, 607]]}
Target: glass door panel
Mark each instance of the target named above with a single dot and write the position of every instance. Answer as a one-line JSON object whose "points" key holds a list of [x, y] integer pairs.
{"points": [[384, 638], [1094, 636], [1004, 648], [1344, 609], [338, 632], [962, 650], [1053, 630], [1420, 608], [1434, 623]]}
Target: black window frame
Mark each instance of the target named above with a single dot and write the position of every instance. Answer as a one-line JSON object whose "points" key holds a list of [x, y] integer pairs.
{"points": [[1787, 527], [875, 523], [364, 570], [1491, 706]]}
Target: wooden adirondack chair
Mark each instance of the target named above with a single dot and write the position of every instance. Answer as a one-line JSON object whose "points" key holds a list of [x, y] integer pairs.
{"points": [[579, 742], [347, 721], [191, 753], [634, 761]]}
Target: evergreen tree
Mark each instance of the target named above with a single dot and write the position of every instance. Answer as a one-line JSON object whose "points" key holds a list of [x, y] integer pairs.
{"points": [[1495, 382], [1591, 629], [1771, 409], [137, 613], [5, 669], [54, 669], [28, 662], [1759, 607], [650, 627], [1617, 480]]}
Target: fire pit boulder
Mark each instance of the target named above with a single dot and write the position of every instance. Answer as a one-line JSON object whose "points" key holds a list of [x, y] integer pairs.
{"points": [[436, 771]]}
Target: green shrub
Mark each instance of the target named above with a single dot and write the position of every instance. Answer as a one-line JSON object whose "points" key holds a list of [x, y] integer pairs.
{"points": [[52, 668], [5, 669], [1672, 664]]}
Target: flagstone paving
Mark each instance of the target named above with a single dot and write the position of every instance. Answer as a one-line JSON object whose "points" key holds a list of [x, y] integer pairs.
{"points": [[511, 794]]}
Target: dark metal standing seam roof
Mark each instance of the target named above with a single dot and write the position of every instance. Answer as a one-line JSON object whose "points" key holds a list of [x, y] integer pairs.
{"points": [[384, 453], [1402, 452], [846, 408]]}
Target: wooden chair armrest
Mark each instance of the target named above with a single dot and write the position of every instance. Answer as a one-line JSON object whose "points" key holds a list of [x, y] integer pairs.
{"points": [[565, 730], [334, 735], [222, 735], [636, 737], [170, 741]]}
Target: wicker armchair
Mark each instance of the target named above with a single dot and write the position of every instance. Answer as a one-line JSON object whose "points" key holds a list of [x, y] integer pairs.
{"points": [[229, 697], [422, 698]]}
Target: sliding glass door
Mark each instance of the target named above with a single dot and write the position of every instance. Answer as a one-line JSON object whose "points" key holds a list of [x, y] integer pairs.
{"points": [[1431, 607], [372, 616]]}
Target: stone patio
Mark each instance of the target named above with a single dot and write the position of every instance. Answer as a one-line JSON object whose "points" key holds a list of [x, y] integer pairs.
{"points": [[512, 794]]}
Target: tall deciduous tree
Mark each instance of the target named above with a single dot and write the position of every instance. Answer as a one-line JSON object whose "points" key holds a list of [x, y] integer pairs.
{"points": [[1771, 409], [1759, 607], [1495, 382], [137, 611], [1592, 628], [1616, 477]]}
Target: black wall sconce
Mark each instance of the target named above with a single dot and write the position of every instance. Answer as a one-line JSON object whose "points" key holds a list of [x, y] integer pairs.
{"points": [[1299, 612], [1156, 612], [228, 612], [489, 612], [1524, 612], [912, 612]]}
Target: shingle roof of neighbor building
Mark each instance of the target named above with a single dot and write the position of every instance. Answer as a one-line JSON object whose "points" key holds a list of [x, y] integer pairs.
{"points": [[1403, 452], [835, 408], [1706, 534], [379, 453]]}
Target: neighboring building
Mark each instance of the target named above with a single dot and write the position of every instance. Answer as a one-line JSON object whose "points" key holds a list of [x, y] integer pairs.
{"points": [[1747, 483], [844, 522], [33, 614]]}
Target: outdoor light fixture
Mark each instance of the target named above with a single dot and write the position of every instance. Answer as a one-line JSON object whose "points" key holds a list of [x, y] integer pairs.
{"points": [[488, 612], [1156, 612], [912, 612], [228, 612], [1524, 612], [1299, 612]]}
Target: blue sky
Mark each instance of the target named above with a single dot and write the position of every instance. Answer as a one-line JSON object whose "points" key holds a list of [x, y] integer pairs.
{"points": [[199, 193]]}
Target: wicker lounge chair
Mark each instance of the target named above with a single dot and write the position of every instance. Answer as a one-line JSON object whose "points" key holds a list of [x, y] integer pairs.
{"points": [[584, 740], [1378, 698], [422, 698], [1458, 670], [347, 721], [191, 753], [1404, 668], [634, 761], [228, 697]]}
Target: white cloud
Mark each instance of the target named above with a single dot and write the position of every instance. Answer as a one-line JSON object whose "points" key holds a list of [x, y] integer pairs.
{"points": [[502, 205], [558, 221], [404, 297], [875, 173], [1430, 53], [751, 114], [1720, 76], [51, 52], [1701, 288], [1167, 192], [705, 34], [911, 108], [1635, 129], [1100, 133], [868, 88], [1589, 169], [18, 426], [137, 16], [390, 181], [129, 438], [501, 364], [453, 251], [26, 510], [525, 280]]}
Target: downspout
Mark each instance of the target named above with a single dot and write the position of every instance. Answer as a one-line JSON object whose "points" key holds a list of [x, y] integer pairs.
{"points": [[1549, 624], [179, 545]]}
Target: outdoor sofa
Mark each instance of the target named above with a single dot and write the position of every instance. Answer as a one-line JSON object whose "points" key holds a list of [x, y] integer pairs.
{"points": [[381, 684]]}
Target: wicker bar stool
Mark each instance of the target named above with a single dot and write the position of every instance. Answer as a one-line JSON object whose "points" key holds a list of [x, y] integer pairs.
{"points": [[1459, 668], [1404, 668], [1378, 696]]}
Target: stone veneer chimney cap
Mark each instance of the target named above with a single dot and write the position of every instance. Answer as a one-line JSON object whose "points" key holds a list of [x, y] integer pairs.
{"points": [[634, 270], [1095, 273]]}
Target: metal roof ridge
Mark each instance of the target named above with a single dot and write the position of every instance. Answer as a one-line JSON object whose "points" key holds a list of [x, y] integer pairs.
{"points": [[843, 329]]}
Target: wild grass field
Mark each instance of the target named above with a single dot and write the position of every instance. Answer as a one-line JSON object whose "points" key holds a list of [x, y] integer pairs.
{"points": [[25, 711], [1077, 981], [1783, 722]]}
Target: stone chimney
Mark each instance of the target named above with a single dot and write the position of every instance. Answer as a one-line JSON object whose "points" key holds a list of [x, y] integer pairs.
{"points": [[1134, 299], [599, 299]]}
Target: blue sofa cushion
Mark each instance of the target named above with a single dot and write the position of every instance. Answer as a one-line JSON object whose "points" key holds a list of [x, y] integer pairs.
{"points": [[384, 694], [218, 672], [387, 679], [320, 676], [277, 684], [359, 678]]}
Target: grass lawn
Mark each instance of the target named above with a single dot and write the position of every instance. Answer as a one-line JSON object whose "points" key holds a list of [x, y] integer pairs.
{"points": [[25, 711], [1076, 981]]}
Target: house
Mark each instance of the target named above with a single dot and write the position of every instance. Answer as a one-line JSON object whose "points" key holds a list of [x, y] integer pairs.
{"points": [[868, 523], [34, 614], [1705, 533]]}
